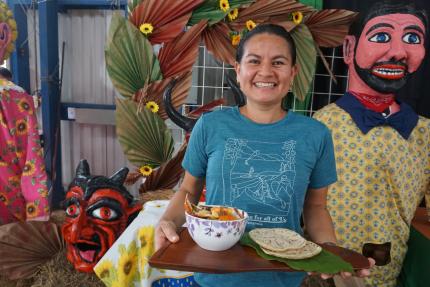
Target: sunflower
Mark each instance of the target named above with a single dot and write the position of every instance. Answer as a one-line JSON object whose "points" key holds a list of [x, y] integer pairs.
{"points": [[3, 198], [3, 162], [232, 14], [31, 210], [21, 127], [297, 17], [152, 106], [146, 28], [29, 168], [146, 238], [104, 269], [250, 25], [43, 192], [14, 180], [24, 106], [6, 16], [145, 170], [235, 39], [224, 5], [127, 265]]}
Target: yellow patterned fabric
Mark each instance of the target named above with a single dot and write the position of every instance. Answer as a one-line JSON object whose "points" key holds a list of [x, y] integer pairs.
{"points": [[382, 178]]}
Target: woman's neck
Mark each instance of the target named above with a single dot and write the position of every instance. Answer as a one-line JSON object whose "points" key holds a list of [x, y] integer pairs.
{"points": [[263, 115]]}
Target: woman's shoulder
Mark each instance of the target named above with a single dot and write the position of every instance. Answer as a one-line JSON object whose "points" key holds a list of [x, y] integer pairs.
{"points": [[219, 113], [308, 122]]}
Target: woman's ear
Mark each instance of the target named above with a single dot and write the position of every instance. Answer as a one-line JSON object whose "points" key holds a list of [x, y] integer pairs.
{"points": [[237, 70], [348, 49]]}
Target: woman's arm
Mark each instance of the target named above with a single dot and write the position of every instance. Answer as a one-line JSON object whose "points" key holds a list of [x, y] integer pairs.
{"points": [[174, 216], [318, 223]]}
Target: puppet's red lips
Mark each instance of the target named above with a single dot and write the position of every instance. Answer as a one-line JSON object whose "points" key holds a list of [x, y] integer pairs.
{"points": [[389, 72]]}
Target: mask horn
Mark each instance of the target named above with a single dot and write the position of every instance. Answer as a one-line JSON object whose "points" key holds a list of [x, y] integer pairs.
{"points": [[83, 169], [184, 122], [239, 97], [120, 176]]}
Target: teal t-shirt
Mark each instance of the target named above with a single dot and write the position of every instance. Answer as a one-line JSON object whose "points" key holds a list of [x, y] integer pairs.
{"points": [[264, 169]]}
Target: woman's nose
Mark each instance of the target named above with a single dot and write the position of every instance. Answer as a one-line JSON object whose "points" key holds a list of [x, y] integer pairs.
{"points": [[266, 69]]}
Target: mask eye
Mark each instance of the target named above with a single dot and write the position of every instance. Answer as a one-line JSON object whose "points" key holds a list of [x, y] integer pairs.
{"points": [[380, 38], [105, 213], [73, 210], [411, 38]]}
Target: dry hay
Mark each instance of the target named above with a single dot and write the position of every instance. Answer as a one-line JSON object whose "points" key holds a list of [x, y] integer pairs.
{"points": [[156, 195]]}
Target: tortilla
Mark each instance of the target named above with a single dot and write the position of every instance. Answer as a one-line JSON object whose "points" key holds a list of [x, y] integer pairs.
{"points": [[309, 250], [277, 239]]}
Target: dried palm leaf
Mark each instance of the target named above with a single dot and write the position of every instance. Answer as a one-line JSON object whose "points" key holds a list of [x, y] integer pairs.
{"points": [[306, 60], [210, 10], [168, 17], [133, 177], [143, 135], [155, 91], [168, 175], [179, 55], [217, 41], [206, 108], [263, 11], [130, 60], [26, 245], [329, 26]]}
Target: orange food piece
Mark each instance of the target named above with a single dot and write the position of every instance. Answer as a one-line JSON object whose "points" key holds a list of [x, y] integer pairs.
{"points": [[227, 217]]}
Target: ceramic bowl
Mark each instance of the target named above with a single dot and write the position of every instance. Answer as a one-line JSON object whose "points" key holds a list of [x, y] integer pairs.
{"points": [[216, 235]]}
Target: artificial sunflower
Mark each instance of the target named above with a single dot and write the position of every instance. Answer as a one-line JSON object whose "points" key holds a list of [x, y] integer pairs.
{"points": [[224, 5], [29, 168], [235, 40], [146, 28], [24, 106], [31, 210], [21, 127], [232, 14], [3, 198], [127, 265], [297, 17], [14, 181], [145, 170], [250, 25], [152, 106], [19, 152], [146, 238], [104, 269], [6, 16]]}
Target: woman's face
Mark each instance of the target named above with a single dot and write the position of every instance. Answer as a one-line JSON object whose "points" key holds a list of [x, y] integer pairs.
{"points": [[265, 71]]}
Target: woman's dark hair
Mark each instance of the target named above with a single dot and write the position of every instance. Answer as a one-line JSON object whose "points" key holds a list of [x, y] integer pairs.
{"points": [[5, 74], [271, 29]]}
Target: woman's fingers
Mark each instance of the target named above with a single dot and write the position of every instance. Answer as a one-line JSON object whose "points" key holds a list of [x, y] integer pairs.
{"points": [[165, 232]]}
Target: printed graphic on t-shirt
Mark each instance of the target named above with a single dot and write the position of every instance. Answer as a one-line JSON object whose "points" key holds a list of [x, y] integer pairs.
{"points": [[261, 174]]}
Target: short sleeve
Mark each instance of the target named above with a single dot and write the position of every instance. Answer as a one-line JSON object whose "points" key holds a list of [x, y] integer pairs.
{"points": [[324, 172], [196, 159]]}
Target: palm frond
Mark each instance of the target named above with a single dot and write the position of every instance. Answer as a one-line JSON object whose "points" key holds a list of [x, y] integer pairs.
{"points": [[217, 41]]}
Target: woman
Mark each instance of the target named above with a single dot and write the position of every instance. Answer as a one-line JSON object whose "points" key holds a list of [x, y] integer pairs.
{"points": [[272, 163]]}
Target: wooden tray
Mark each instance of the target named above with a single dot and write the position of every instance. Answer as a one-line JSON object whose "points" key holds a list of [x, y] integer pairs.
{"points": [[186, 255]]}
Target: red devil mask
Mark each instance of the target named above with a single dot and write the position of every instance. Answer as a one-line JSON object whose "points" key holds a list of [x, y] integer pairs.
{"points": [[98, 209]]}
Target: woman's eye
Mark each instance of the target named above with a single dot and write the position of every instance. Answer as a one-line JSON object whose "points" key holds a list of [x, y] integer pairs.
{"points": [[380, 38], [253, 61], [411, 38], [277, 63], [73, 210], [105, 213]]}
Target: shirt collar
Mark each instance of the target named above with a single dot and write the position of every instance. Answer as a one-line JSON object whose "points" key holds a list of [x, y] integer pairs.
{"points": [[404, 121]]}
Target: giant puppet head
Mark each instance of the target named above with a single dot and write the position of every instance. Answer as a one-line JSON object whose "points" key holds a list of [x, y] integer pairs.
{"points": [[385, 46], [98, 209], [8, 31]]}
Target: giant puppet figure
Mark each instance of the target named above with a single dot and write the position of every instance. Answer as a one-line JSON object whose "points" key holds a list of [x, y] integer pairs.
{"points": [[98, 209], [23, 189], [381, 145]]}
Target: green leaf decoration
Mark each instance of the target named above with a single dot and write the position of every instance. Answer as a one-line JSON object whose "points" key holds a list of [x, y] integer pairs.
{"points": [[211, 11], [130, 60], [132, 4], [143, 135], [325, 262], [306, 59]]}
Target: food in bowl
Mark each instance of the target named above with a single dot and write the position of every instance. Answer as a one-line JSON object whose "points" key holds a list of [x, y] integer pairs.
{"points": [[216, 228]]}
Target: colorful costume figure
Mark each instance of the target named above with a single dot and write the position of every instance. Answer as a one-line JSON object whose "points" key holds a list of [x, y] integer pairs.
{"points": [[381, 145], [23, 189], [98, 209]]}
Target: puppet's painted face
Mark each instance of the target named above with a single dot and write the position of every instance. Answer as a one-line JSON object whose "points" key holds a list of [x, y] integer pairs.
{"points": [[390, 48], [98, 209]]}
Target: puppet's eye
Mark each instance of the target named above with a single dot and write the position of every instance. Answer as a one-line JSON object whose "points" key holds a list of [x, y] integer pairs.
{"points": [[73, 210], [380, 38], [105, 213], [411, 38]]}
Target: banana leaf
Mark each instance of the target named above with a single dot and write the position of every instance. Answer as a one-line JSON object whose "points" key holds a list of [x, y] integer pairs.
{"points": [[329, 26], [211, 11], [217, 41], [168, 17], [143, 135], [130, 60], [306, 60], [179, 55]]}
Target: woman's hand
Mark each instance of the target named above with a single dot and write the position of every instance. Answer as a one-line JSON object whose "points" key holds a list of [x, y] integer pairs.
{"points": [[360, 273], [165, 232]]}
